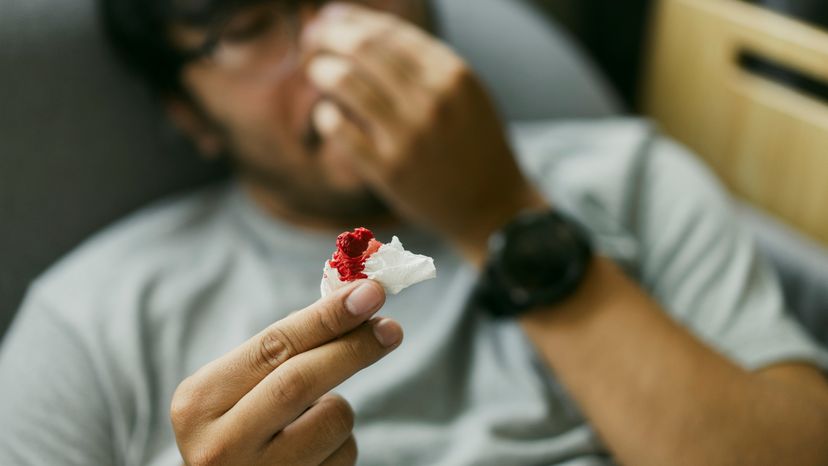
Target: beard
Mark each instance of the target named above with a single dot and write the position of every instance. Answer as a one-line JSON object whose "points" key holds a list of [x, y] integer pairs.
{"points": [[308, 191], [312, 195]]}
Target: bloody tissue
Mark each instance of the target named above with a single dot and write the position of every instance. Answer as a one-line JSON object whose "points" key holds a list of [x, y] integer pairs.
{"points": [[352, 250]]}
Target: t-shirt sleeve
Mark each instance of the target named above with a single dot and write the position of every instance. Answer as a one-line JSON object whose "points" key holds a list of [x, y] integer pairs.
{"points": [[52, 407], [699, 261]]}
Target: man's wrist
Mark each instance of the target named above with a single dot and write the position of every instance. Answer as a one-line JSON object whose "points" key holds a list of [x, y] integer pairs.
{"points": [[591, 296], [476, 246]]}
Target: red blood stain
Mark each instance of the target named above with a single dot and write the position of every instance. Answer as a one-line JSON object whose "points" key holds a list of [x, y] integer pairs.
{"points": [[352, 250]]}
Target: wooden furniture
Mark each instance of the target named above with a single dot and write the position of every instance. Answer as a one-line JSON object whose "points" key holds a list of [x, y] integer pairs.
{"points": [[767, 141]]}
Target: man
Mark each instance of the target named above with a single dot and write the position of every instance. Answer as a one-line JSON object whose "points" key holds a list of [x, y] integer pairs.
{"points": [[658, 337]]}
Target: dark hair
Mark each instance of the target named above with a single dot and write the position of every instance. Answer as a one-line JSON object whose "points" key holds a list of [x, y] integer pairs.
{"points": [[139, 31]]}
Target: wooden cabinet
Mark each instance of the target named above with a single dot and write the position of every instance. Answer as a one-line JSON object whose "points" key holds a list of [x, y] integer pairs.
{"points": [[766, 139]]}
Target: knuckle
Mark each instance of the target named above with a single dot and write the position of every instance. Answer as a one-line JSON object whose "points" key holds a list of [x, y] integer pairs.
{"points": [[273, 349], [456, 78], [288, 386], [363, 44], [187, 404], [337, 126], [404, 146], [403, 149], [339, 414], [210, 455], [330, 319], [344, 79], [350, 451], [435, 110], [361, 348], [358, 349]]}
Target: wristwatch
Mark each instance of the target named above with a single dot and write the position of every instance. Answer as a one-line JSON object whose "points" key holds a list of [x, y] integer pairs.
{"points": [[537, 260]]}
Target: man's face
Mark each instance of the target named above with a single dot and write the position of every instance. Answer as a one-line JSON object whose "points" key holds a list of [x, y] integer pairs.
{"points": [[264, 118]]}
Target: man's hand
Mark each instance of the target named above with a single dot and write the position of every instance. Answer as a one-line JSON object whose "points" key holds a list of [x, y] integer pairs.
{"points": [[416, 122], [622, 357], [265, 402]]}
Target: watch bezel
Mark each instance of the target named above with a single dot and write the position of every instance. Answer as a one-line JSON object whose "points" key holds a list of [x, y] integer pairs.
{"points": [[508, 297]]}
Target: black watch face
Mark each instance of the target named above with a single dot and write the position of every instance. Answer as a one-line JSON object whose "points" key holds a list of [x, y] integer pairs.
{"points": [[541, 258], [537, 253], [533, 256]]}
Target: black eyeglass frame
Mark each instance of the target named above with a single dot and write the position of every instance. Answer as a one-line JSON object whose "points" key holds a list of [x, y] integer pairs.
{"points": [[222, 19]]}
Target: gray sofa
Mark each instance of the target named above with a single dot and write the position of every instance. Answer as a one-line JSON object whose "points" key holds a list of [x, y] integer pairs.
{"points": [[82, 143]]}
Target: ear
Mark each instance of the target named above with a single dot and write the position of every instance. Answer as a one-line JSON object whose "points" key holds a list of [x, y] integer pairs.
{"points": [[196, 126]]}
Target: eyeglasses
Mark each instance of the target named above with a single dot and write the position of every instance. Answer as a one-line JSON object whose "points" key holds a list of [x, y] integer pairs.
{"points": [[259, 41]]}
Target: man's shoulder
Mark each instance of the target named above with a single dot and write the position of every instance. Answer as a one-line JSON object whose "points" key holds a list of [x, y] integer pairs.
{"points": [[612, 137], [589, 167], [577, 156], [607, 160], [614, 173], [165, 237]]}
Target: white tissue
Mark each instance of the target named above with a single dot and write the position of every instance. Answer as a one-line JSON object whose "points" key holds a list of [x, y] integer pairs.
{"points": [[391, 266]]}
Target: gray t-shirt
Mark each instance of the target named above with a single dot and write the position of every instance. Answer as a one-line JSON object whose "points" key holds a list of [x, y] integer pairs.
{"points": [[89, 367]]}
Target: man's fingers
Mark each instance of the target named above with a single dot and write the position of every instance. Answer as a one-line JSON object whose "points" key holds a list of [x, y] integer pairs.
{"points": [[335, 127], [379, 24], [316, 435], [284, 394], [364, 38], [396, 57], [339, 78], [345, 456], [343, 132], [216, 387]]}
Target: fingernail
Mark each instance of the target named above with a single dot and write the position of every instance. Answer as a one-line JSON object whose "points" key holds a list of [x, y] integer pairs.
{"points": [[387, 332], [315, 70], [326, 71], [326, 117], [365, 299]]}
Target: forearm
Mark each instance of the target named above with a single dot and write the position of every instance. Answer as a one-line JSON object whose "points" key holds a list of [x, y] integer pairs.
{"points": [[657, 395]]}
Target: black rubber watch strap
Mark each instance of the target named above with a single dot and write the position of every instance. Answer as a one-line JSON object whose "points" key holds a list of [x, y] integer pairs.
{"points": [[537, 260]]}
